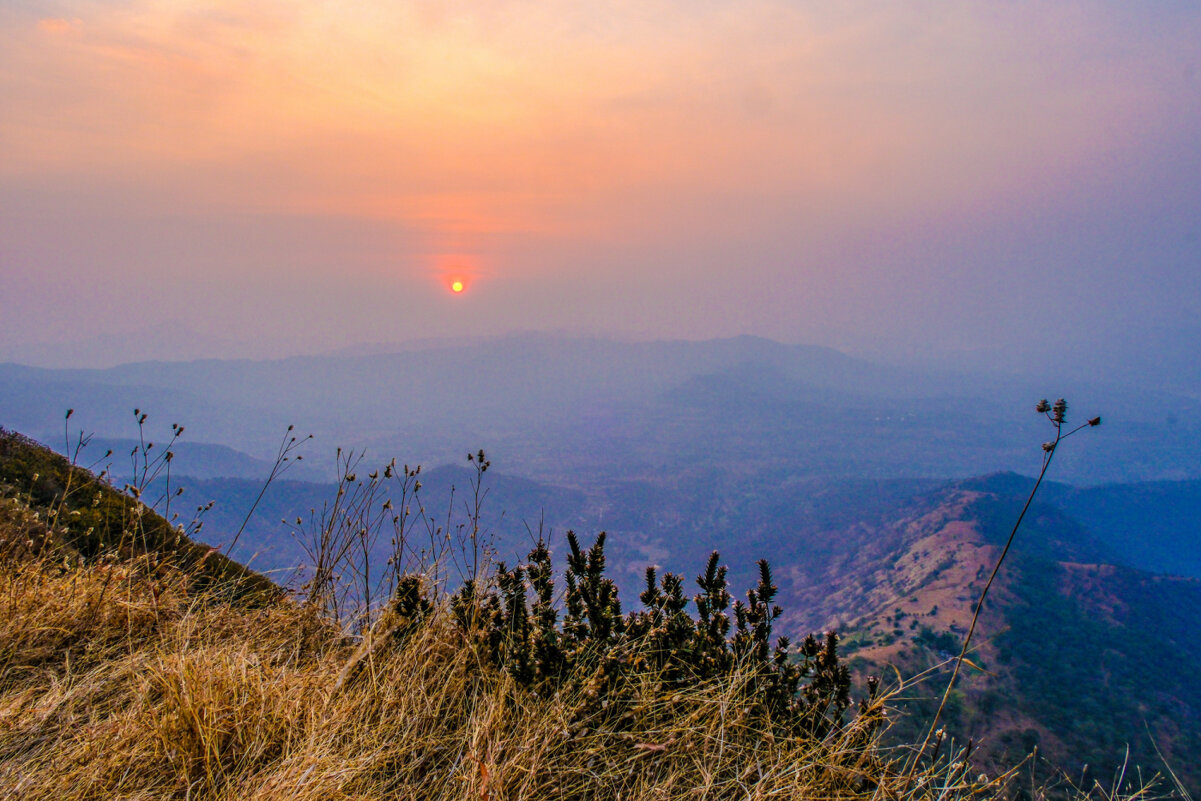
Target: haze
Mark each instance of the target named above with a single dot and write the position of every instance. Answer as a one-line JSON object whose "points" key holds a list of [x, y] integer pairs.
{"points": [[1001, 185]]}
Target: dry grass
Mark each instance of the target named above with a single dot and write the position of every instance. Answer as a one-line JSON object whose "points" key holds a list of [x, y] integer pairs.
{"points": [[120, 680], [115, 682]]}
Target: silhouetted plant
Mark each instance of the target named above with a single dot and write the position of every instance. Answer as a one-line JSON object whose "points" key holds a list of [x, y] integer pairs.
{"points": [[546, 647], [512, 623], [713, 624], [664, 629], [409, 603], [593, 610], [752, 636]]}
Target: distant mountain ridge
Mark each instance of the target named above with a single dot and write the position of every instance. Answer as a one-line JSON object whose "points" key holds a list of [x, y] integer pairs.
{"points": [[1153, 525], [192, 460], [552, 406]]}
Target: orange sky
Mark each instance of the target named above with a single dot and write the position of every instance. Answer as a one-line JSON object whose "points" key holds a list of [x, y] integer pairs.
{"points": [[546, 144]]}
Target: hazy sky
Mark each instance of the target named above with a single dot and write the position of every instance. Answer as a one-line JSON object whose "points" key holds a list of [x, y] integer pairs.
{"points": [[987, 180]]}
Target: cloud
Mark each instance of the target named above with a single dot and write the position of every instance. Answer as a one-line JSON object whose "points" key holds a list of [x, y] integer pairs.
{"points": [[54, 25]]}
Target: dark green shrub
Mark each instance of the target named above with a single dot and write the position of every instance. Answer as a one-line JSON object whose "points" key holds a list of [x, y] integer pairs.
{"points": [[513, 621]]}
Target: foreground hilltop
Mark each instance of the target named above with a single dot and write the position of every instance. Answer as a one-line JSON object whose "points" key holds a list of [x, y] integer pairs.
{"points": [[81, 517], [138, 664]]}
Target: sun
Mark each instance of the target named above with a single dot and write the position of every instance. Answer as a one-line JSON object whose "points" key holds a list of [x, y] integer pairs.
{"points": [[456, 286]]}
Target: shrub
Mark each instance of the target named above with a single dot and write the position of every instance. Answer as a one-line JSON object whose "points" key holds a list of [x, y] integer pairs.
{"points": [[513, 623]]}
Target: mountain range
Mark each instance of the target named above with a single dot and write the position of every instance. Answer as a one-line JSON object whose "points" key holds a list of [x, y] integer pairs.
{"points": [[557, 408]]}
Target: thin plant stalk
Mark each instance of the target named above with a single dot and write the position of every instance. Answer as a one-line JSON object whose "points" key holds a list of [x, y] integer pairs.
{"points": [[283, 460], [1056, 416]]}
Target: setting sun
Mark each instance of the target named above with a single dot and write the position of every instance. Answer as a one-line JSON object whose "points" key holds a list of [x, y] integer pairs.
{"points": [[456, 287]]}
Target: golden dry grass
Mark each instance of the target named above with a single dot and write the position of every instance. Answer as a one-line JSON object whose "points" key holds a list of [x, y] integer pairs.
{"points": [[120, 680], [115, 682]]}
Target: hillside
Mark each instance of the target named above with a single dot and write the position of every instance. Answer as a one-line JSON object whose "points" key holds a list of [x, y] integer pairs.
{"points": [[83, 517], [1072, 648], [893, 552], [892, 565], [145, 673]]}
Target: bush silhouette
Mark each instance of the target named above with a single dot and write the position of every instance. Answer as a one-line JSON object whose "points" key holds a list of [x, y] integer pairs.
{"points": [[514, 624]]}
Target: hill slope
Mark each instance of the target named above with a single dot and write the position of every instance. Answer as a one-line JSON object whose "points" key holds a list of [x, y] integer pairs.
{"points": [[84, 516], [128, 672], [1078, 656]]}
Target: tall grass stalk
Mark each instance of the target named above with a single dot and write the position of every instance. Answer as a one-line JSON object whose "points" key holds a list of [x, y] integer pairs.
{"points": [[1056, 414]]}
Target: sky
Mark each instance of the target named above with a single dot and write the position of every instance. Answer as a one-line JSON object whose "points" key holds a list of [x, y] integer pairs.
{"points": [[985, 184]]}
